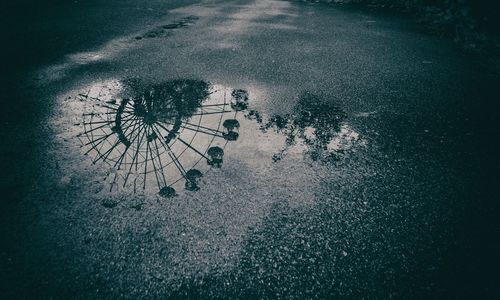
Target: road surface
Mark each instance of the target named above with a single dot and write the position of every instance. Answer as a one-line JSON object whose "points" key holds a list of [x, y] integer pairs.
{"points": [[361, 163]]}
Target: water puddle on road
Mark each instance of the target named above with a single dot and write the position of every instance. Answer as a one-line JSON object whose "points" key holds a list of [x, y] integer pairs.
{"points": [[165, 137]]}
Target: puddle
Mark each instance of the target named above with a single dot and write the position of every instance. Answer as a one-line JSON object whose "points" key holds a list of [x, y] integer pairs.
{"points": [[163, 135], [164, 138]]}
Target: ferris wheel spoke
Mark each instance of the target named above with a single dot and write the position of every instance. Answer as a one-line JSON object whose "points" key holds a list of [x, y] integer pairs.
{"points": [[134, 159], [118, 163], [122, 133], [214, 105], [143, 135], [108, 106], [100, 122], [122, 156], [97, 147], [174, 158], [202, 129], [102, 142], [155, 170], [100, 139], [102, 113], [177, 164], [113, 183], [202, 113], [146, 159], [159, 158], [106, 122], [104, 155], [92, 129], [158, 154], [184, 142], [133, 124]]}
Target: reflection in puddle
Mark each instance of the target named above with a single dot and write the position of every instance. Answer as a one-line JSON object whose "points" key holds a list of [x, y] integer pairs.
{"points": [[315, 124], [164, 137], [157, 134]]}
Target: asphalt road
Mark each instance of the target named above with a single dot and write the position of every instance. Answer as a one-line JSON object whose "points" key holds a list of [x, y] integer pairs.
{"points": [[362, 162]]}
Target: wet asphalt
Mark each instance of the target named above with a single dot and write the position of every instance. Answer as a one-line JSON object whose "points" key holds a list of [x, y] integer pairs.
{"points": [[354, 155]]}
